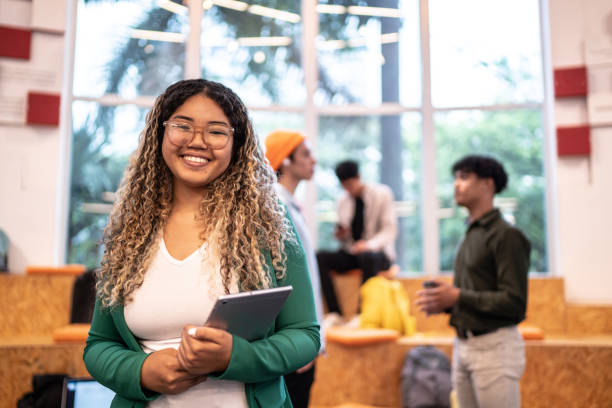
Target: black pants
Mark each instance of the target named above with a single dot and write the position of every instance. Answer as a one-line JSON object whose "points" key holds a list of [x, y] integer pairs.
{"points": [[341, 261], [299, 387]]}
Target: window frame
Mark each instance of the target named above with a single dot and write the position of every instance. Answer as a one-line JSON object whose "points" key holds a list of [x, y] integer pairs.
{"points": [[312, 113]]}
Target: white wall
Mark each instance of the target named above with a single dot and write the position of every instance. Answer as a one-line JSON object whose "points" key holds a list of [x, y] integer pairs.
{"points": [[29, 154], [584, 184], [30, 169]]}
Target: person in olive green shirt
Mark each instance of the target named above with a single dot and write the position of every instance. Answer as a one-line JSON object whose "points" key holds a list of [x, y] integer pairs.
{"points": [[488, 297], [196, 217]]}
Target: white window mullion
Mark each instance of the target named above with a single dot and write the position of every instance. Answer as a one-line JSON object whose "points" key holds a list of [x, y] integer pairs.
{"points": [[62, 202], [429, 199], [310, 31], [550, 147], [192, 52]]}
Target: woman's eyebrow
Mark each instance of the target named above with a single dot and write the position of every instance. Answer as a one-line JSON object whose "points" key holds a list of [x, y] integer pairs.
{"points": [[213, 122], [183, 117]]}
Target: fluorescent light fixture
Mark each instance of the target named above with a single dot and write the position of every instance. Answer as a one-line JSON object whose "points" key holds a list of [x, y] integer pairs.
{"points": [[357, 42], [274, 13], [331, 45], [330, 9], [374, 11], [172, 7], [264, 41], [96, 208], [231, 4], [158, 36], [389, 38]]}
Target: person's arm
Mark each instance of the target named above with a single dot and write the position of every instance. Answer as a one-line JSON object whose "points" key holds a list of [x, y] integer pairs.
{"points": [[109, 360], [511, 253], [296, 340], [388, 221]]}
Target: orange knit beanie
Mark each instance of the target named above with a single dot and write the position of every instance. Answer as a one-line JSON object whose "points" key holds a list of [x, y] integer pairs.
{"points": [[280, 144]]}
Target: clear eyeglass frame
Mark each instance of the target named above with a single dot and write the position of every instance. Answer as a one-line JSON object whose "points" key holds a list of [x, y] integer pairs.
{"points": [[216, 135]]}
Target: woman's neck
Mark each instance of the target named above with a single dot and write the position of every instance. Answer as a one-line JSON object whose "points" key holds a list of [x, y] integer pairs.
{"points": [[186, 199]]}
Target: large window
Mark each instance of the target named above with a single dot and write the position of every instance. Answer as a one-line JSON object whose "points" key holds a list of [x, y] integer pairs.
{"points": [[406, 87]]}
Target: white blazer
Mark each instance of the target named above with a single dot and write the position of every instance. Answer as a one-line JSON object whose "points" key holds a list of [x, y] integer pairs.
{"points": [[379, 219]]}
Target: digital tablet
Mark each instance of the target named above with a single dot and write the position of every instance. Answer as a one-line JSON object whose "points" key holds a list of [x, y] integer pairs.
{"points": [[248, 314]]}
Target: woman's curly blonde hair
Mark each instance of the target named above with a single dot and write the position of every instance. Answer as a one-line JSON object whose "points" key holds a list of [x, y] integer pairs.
{"points": [[247, 218]]}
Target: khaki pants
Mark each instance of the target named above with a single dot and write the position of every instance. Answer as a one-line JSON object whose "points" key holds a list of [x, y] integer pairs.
{"points": [[487, 369]]}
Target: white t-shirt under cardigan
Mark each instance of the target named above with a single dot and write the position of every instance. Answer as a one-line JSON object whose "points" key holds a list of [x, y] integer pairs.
{"points": [[173, 294]]}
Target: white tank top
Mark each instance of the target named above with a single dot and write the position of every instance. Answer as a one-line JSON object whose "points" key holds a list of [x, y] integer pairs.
{"points": [[175, 293]]}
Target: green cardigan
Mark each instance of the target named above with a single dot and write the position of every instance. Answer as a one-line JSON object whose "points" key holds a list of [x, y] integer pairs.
{"points": [[114, 357]]}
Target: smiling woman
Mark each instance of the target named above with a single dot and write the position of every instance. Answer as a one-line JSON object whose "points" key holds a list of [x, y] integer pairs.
{"points": [[196, 161], [197, 217]]}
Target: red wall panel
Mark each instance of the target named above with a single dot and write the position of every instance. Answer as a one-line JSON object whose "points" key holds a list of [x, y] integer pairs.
{"points": [[574, 141], [15, 42], [570, 82], [43, 109]]}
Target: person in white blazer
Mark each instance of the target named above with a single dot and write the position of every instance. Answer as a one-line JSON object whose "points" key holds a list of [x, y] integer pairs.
{"points": [[366, 229]]}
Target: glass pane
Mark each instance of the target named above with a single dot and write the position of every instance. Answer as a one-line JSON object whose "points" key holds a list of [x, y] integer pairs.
{"points": [[357, 42], [265, 122], [255, 50], [373, 142], [515, 139], [485, 52], [100, 151], [128, 47]]}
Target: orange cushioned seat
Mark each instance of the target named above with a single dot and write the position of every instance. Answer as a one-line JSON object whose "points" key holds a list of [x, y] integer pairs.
{"points": [[72, 333], [359, 337], [71, 269], [530, 332]]}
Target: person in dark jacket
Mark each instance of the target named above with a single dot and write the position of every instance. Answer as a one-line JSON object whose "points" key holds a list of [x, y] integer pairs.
{"points": [[488, 297]]}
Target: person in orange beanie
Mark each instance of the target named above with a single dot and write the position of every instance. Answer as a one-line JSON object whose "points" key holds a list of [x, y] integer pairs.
{"points": [[290, 156]]}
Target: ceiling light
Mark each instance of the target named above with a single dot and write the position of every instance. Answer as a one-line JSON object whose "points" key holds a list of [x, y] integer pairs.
{"points": [[231, 4], [172, 7], [158, 35], [330, 9], [389, 38], [374, 11], [357, 42], [274, 13], [331, 45], [264, 41], [207, 4], [259, 57]]}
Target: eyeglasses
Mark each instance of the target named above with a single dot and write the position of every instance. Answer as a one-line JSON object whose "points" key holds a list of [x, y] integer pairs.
{"points": [[215, 135]]}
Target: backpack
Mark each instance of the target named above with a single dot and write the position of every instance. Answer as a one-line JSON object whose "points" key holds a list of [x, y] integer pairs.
{"points": [[46, 392], [425, 379]]}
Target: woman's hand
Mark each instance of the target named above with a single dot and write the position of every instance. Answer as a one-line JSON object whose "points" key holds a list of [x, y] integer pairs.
{"points": [[204, 350], [305, 368], [161, 372]]}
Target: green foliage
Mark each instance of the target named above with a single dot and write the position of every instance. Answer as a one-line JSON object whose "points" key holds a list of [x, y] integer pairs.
{"points": [[515, 139], [93, 173]]}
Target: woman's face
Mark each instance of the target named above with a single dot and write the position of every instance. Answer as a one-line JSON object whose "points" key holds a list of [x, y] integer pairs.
{"points": [[192, 162]]}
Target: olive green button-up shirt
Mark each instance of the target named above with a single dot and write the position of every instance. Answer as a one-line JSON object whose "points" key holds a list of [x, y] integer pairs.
{"points": [[491, 269]]}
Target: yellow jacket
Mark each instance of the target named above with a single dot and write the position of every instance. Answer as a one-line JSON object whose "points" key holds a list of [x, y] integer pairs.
{"points": [[385, 304]]}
